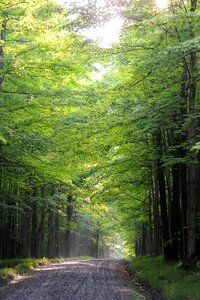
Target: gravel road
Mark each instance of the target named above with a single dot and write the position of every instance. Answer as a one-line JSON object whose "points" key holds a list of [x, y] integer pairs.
{"points": [[81, 280]]}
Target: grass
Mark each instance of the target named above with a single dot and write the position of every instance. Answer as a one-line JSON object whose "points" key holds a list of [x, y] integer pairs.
{"points": [[10, 268], [175, 282]]}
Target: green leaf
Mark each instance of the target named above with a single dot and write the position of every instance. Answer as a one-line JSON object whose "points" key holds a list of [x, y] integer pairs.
{"points": [[3, 140]]}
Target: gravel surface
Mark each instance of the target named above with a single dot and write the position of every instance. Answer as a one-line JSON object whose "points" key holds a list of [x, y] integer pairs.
{"points": [[82, 280]]}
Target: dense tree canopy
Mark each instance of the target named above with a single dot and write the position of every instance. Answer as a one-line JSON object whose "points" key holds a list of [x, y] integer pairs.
{"points": [[99, 146]]}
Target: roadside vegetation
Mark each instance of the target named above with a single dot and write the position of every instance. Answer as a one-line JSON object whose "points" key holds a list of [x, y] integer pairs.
{"points": [[11, 268], [172, 279]]}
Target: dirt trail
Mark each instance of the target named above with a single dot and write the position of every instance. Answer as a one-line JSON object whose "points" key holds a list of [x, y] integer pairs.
{"points": [[82, 280]]}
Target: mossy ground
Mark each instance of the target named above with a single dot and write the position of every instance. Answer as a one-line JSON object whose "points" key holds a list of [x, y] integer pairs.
{"points": [[175, 282]]}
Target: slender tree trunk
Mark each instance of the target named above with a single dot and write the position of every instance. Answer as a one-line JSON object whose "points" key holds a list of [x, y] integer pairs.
{"points": [[41, 229], [193, 170], [163, 198], [97, 244], [175, 213], [51, 241], [193, 198], [26, 233], [156, 219], [184, 209], [150, 226], [57, 237], [69, 219], [144, 240], [2, 231], [34, 235], [51, 229]]}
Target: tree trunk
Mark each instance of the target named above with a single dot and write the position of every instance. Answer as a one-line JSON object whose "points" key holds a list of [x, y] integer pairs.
{"points": [[150, 226], [57, 237], [156, 220], [193, 169], [163, 198], [41, 251], [184, 209], [97, 244], [69, 219], [175, 213], [26, 233], [51, 229], [34, 233], [51, 234]]}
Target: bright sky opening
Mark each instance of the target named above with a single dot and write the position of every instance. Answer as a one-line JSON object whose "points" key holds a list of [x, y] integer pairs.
{"points": [[107, 34], [162, 4]]}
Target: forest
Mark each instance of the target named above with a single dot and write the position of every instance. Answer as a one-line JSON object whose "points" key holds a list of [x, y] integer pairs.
{"points": [[99, 144]]}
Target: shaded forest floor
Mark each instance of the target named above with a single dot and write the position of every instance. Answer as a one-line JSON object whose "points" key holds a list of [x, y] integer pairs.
{"points": [[78, 280]]}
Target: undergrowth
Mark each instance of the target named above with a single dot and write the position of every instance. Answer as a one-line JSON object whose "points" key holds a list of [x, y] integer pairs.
{"points": [[10, 268], [175, 282]]}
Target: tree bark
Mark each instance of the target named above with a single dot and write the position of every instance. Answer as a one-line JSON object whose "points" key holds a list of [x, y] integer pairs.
{"points": [[163, 198], [34, 233], [193, 169], [156, 219], [69, 219], [175, 214], [150, 226], [51, 229]]}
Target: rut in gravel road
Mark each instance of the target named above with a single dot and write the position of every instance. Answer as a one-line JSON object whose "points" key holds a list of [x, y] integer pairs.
{"points": [[82, 280]]}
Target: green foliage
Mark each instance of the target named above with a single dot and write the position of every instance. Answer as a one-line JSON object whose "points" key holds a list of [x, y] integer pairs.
{"points": [[20, 263], [7, 274], [171, 278], [11, 267], [196, 147]]}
